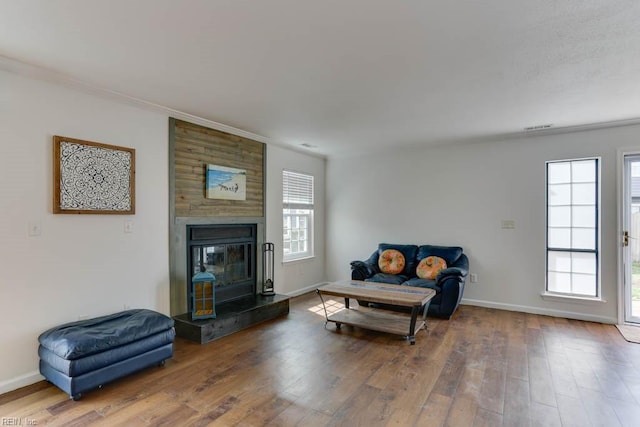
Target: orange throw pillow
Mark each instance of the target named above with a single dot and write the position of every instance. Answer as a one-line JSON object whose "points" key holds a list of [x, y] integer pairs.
{"points": [[429, 267], [391, 261]]}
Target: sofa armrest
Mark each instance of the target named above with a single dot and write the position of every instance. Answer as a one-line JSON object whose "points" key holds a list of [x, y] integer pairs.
{"points": [[452, 272], [452, 289], [361, 270]]}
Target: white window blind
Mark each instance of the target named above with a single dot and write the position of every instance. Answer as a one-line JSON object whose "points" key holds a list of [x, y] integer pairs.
{"points": [[297, 190]]}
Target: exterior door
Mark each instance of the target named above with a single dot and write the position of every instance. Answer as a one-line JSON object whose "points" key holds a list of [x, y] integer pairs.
{"points": [[631, 238]]}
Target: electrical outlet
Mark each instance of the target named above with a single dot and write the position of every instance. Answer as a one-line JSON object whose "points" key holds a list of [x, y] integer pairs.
{"points": [[128, 226], [508, 224], [35, 229], [83, 317], [473, 277]]}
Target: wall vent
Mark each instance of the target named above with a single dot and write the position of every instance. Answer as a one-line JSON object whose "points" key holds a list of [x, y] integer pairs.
{"points": [[538, 127]]}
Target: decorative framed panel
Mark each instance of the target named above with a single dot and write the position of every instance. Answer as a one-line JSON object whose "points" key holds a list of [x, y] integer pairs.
{"points": [[92, 178]]}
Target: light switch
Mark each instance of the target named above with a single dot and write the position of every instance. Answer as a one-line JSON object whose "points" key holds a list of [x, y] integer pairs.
{"points": [[35, 229], [128, 226]]}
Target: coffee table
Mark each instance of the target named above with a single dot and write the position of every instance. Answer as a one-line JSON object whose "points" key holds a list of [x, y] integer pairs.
{"points": [[378, 319]]}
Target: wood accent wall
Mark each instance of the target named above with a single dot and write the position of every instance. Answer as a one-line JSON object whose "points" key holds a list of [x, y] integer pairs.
{"points": [[195, 147]]}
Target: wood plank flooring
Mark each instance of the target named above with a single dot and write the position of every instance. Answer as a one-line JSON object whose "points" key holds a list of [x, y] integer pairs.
{"points": [[483, 367]]}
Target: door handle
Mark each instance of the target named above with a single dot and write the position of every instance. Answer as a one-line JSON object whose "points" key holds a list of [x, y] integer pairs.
{"points": [[625, 239]]}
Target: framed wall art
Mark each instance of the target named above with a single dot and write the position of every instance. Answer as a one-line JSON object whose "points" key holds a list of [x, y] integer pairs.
{"points": [[92, 178], [226, 183]]}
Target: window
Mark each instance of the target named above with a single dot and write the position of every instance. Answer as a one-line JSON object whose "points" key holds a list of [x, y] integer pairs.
{"points": [[297, 215], [573, 247]]}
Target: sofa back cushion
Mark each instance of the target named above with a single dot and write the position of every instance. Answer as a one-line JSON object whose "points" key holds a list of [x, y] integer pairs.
{"points": [[449, 253], [408, 251]]}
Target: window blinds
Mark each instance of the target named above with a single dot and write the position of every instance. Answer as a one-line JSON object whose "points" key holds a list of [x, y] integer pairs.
{"points": [[297, 190]]}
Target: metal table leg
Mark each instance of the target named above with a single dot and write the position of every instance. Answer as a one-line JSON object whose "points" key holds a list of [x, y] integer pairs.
{"points": [[412, 325]]}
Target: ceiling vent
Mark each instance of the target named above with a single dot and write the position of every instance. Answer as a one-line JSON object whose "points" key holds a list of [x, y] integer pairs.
{"points": [[538, 127]]}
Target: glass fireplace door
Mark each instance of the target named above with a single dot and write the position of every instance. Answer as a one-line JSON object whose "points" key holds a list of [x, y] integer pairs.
{"points": [[228, 251], [227, 262], [230, 264]]}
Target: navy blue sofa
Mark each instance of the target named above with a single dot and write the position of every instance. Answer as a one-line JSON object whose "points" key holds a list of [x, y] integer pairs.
{"points": [[449, 283], [83, 355]]}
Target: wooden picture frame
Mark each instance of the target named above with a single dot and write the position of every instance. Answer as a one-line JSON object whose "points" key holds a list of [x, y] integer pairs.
{"points": [[92, 178]]}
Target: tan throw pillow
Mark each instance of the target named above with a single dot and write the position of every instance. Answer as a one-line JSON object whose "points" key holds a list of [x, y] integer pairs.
{"points": [[429, 267], [391, 261]]}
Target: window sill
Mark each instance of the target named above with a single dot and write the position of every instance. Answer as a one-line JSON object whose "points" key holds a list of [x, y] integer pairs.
{"points": [[295, 260], [572, 299]]}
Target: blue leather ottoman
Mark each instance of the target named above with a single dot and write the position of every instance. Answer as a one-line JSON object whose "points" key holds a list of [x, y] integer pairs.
{"points": [[83, 355]]}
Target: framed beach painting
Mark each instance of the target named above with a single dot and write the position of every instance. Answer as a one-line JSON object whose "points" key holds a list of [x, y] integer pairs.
{"points": [[226, 183]]}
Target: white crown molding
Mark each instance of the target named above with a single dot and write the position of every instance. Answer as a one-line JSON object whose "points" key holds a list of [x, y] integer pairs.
{"points": [[585, 127], [44, 74]]}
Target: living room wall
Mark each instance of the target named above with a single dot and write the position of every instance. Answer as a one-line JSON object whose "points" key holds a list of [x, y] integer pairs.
{"points": [[297, 277], [458, 195], [86, 265], [80, 265]]}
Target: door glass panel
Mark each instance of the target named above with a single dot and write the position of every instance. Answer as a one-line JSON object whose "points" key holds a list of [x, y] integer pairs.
{"points": [[215, 262], [235, 263], [633, 250]]}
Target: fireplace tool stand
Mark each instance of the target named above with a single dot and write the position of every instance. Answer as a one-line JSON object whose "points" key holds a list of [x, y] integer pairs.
{"points": [[267, 269]]}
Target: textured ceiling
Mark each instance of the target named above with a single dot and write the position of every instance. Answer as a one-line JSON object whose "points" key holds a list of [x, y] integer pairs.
{"points": [[347, 75]]}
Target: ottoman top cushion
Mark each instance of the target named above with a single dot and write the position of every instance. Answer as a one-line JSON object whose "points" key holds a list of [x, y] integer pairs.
{"points": [[86, 337]]}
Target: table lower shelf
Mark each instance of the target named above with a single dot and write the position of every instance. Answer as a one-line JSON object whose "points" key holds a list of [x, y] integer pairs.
{"points": [[378, 320]]}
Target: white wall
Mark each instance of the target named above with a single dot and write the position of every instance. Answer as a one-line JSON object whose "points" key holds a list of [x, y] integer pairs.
{"points": [[458, 195], [85, 265], [294, 278], [81, 265]]}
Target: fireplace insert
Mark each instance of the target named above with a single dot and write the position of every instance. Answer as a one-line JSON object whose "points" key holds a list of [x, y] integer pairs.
{"points": [[228, 251]]}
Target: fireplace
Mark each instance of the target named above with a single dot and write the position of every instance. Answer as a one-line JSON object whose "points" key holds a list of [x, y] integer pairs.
{"points": [[228, 251]]}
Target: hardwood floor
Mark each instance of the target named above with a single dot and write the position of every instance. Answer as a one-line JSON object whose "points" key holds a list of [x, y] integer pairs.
{"points": [[483, 367]]}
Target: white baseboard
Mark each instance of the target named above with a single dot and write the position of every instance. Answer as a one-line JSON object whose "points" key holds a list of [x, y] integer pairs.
{"points": [[542, 311], [21, 381], [305, 290], [501, 306]]}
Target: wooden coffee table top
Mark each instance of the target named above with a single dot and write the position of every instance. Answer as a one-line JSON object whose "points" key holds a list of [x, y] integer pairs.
{"points": [[405, 296]]}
